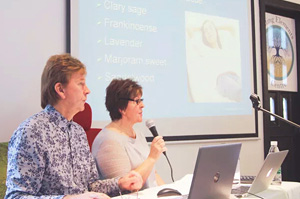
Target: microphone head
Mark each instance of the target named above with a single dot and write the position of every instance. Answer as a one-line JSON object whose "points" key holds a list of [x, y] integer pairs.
{"points": [[150, 123], [255, 100]]}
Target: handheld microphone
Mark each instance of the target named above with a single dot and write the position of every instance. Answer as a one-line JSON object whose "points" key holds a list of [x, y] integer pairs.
{"points": [[151, 126]]}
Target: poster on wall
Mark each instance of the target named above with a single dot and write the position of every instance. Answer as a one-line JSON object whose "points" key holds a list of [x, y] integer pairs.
{"points": [[281, 53]]}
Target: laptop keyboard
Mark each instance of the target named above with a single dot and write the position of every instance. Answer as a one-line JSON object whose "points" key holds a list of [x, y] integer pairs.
{"points": [[240, 190], [247, 179]]}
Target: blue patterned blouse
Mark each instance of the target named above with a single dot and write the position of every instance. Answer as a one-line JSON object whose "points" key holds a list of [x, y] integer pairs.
{"points": [[49, 157]]}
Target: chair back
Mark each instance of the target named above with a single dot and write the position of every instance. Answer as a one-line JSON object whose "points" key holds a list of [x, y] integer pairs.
{"points": [[84, 119]]}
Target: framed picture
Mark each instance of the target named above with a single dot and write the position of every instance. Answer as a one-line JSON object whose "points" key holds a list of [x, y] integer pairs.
{"points": [[281, 53]]}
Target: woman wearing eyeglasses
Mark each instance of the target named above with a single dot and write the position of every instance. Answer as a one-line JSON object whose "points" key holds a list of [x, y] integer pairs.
{"points": [[118, 148]]}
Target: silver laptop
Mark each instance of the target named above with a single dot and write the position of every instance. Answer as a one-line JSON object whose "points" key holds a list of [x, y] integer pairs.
{"points": [[214, 171], [264, 177]]}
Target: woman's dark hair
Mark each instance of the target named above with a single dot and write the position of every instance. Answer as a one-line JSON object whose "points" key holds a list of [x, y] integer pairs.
{"points": [[116, 92]]}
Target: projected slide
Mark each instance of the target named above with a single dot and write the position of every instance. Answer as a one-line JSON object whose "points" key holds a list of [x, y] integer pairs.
{"points": [[193, 59], [213, 50]]}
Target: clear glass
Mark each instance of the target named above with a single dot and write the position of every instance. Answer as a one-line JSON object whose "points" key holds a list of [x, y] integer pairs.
{"points": [[272, 109], [284, 108]]}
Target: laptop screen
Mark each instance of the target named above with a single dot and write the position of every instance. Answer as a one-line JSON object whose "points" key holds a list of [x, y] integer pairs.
{"points": [[214, 171]]}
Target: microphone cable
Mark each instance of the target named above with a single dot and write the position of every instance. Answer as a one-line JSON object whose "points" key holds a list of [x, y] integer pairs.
{"points": [[255, 195], [151, 126], [170, 166]]}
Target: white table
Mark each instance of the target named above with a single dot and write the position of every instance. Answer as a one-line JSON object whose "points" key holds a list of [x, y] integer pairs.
{"points": [[287, 190]]}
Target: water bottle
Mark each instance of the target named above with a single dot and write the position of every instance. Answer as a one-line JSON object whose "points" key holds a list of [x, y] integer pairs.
{"points": [[278, 178]]}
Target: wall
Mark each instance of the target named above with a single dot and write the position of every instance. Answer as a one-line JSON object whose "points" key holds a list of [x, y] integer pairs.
{"points": [[33, 30]]}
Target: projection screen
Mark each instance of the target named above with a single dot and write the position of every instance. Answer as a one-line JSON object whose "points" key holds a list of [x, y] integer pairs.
{"points": [[193, 58]]}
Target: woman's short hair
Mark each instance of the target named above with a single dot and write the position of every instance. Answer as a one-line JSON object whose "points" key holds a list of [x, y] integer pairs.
{"points": [[116, 92], [58, 69]]}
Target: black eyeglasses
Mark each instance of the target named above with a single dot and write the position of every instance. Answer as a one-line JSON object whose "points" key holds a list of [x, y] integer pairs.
{"points": [[137, 101]]}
